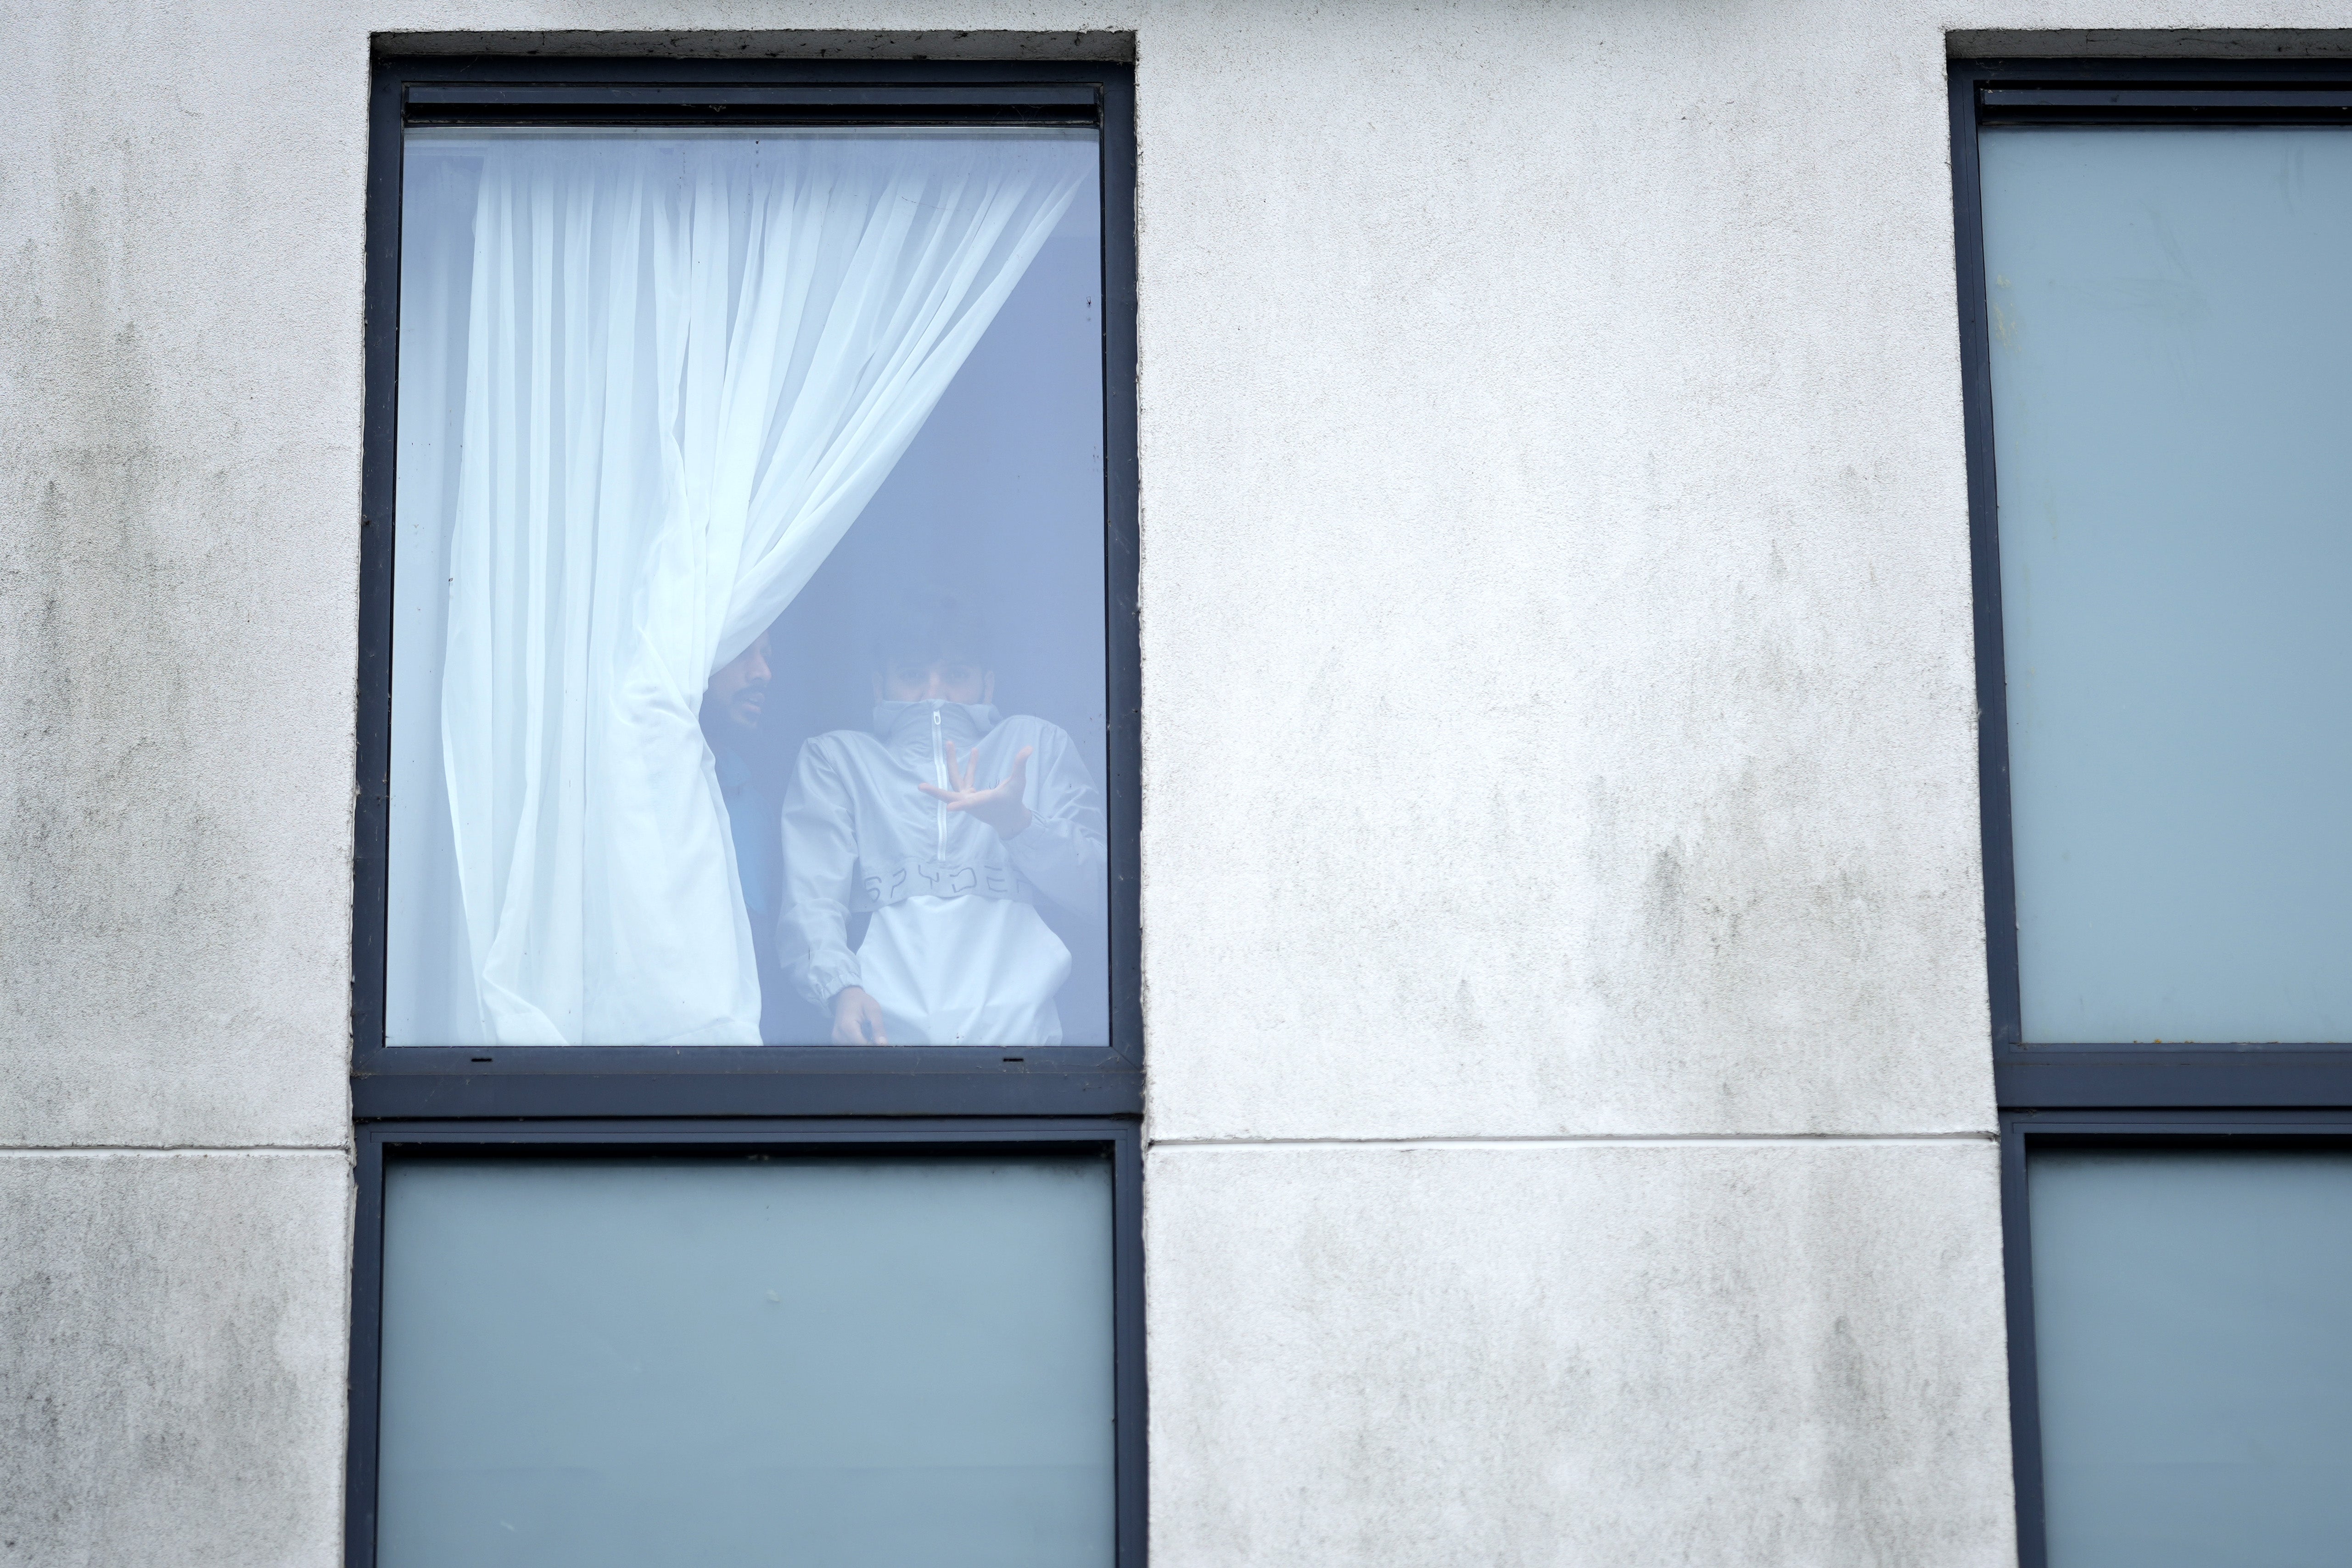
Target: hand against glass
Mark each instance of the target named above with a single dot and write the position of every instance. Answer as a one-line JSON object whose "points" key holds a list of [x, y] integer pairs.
{"points": [[858, 1019], [1001, 807]]}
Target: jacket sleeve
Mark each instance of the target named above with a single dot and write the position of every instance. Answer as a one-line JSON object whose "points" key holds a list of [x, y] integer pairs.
{"points": [[1062, 852], [820, 842]]}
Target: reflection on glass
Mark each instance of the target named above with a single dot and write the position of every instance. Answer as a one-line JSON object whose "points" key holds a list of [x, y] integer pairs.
{"points": [[748, 670], [865, 1363], [2171, 323], [2195, 1374]]}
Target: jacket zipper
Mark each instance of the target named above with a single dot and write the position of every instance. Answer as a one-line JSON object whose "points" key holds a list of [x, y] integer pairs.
{"points": [[939, 778]]}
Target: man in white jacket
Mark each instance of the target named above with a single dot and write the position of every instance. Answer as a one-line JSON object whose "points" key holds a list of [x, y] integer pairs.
{"points": [[946, 823]]}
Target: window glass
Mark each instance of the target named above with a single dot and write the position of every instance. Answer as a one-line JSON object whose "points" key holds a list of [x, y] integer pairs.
{"points": [[2189, 1313], [749, 660], [2171, 329], [859, 1362]]}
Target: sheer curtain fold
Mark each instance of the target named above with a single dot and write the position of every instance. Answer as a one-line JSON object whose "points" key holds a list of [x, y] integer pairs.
{"points": [[689, 364]]}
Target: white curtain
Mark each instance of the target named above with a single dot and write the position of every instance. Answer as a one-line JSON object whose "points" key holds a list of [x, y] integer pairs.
{"points": [[688, 363]]}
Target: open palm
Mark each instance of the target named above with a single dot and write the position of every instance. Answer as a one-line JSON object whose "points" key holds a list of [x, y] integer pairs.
{"points": [[1000, 805]]}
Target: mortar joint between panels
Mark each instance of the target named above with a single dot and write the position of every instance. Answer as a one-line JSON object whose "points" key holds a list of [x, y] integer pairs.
{"points": [[340, 1150], [1985, 1136]]}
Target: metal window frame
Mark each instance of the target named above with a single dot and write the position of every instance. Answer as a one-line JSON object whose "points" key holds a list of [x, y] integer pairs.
{"points": [[2100, 1095], [415, 1102], [619, 1081], [2075, 92], [848, 1138]]}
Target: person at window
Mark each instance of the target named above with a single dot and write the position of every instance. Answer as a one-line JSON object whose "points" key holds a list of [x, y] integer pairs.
{"points": [[947, 823], [732, 705]]}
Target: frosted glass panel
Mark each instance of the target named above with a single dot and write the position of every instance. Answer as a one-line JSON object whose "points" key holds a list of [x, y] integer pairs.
{"points": [[2172, 321], [859, 1363], [2189, 1316]]}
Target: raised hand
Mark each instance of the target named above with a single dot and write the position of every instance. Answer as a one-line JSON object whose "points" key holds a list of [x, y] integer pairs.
{"points": [[1001, 807]]}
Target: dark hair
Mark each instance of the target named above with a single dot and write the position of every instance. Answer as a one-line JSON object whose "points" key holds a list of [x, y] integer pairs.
{"points": [[931, 631]]}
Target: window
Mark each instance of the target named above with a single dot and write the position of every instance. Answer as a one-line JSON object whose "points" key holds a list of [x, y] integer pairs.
{"points": [[767, 457], [747, 1034], [700, 1359], [2155, 331], [2189, 1308]]}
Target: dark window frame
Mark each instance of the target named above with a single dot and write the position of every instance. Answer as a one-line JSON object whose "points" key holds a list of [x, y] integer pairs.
{"points": [[2100, 1095], [1120, 1139], [2075, 92], [415, 1102], [621, 1081]]}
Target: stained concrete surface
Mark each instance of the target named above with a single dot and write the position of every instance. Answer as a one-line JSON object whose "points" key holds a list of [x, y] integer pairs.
{"points": [[1669, 1354], [172, 1334], [1556, 580], [180, 216]]}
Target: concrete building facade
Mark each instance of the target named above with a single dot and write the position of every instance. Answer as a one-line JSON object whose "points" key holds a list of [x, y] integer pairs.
{"points": [[1570, 1128]]}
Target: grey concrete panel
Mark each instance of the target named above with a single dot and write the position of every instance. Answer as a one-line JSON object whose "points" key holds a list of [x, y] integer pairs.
{"points": [[179, 226], [1557, 597], [1545, 1354], [172, 1346]]}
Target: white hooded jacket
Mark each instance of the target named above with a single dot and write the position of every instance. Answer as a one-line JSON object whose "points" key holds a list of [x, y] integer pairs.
{"points": [[955, 954]]}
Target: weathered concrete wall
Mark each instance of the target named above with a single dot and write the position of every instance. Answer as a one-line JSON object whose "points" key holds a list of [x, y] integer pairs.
{"points": [[179, 339], [1560, 733], [1662, 1352], [173, 1336]]}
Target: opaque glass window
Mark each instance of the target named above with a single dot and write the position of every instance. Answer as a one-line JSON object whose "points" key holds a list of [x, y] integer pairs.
{"points": [[2170, 325], [748, 620], [2190, 1319], [859, 1361]]}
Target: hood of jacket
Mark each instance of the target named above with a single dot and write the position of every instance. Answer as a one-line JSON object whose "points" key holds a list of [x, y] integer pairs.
{"points": [[907, 730]]}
